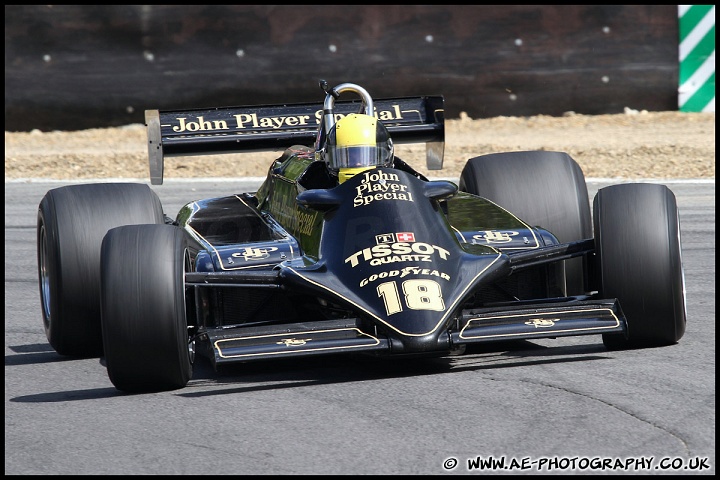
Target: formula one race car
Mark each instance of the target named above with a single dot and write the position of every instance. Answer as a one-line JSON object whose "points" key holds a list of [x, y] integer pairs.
{"points": [[346, 248]]}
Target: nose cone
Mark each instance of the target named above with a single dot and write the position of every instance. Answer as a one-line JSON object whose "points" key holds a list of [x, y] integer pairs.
{"points": [[388, 252]]}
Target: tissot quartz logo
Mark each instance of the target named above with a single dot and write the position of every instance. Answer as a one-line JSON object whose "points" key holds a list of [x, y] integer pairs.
{"points": [[397, 247]]}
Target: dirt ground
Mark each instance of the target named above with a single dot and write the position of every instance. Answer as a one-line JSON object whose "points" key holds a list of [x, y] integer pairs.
{"points": [[633, 145]]}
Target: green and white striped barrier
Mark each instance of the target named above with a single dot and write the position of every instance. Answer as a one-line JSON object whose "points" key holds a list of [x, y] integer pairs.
{"points": [[696, 92]]}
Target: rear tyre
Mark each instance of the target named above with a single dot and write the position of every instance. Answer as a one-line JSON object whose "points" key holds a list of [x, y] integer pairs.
{"points": [[71, 224], [545, 189], [638, 253], [144, 322]]}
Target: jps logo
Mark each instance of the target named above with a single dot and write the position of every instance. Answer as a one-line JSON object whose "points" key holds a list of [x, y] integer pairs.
{"points": [[494, 236], [293, 342], [250, 253], [542, 322]]}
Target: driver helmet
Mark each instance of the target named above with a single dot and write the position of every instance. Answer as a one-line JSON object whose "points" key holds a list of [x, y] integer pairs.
{"points": [[357, 142]]}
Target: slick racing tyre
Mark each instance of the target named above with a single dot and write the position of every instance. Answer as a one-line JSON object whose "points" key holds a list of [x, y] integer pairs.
{"points": [[638, 254], [144, 322], [545, 189], [71, 224]]}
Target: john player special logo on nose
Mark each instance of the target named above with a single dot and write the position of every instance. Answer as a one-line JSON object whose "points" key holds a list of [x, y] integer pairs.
{"points": [[380, 186]]}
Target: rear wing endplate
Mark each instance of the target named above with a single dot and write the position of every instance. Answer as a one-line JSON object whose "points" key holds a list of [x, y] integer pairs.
{"points": [[276, 127]]}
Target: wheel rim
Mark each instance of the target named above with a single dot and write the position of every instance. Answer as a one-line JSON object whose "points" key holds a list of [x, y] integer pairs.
{"points": [[44, 278], [187, 266], [682, 269]]}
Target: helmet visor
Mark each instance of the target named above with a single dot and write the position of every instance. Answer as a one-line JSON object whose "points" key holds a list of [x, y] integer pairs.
{"points": [[361, 156]]}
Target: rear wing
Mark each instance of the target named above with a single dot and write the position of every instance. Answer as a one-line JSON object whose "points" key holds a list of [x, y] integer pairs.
{"points": [[174, 133]]}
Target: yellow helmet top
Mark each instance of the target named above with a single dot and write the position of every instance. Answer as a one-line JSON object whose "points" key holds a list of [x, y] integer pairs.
{"points": [[356, 130]]}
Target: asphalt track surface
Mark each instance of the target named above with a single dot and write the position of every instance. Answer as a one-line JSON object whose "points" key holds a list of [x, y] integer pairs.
{"points": [[543, 407]]}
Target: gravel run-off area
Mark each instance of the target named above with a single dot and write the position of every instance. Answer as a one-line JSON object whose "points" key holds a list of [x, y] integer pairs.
{"points": [[630, 145]]}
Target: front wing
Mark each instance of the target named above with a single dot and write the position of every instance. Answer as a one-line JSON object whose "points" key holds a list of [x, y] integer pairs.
{"points": [[526, 322], [520, 320]]}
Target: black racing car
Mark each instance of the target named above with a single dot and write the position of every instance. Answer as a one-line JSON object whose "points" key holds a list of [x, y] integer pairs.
{"points": [[346, 248]]}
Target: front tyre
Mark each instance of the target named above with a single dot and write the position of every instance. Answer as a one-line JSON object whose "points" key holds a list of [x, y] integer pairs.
{"points": [[638, 253], [545, 189], [71, 224], [144, 324]]}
